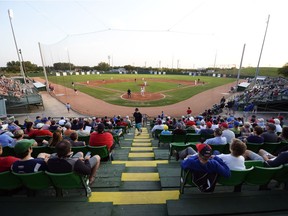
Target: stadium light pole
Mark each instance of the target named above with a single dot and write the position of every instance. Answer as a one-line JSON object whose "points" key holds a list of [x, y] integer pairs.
{"points": [[240, 67], [10, 14], [257, 68]]}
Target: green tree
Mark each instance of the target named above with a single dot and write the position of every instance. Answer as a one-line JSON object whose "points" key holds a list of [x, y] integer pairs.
{"points": [[13, 67], [63, 66], [103, 66], [284, 70], [129, 68]]}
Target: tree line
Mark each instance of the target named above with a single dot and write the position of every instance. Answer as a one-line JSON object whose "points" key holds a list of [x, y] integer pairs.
{"points": [[13, 67]]}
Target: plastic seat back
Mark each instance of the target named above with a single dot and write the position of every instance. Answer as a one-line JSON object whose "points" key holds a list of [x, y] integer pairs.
{"points": [[271, 147], [261, 175], [254, 146], [8, 181], [76, 149], [165, 138], [221, 148], [251, 163], [40, 149], [237, 177], [282, 174], [102, 151], [179, 138], [84, 138], [8, 151], [193, 138], [34, 181], [69, 180]]}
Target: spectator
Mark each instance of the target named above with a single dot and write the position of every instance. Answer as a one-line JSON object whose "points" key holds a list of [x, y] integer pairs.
{"points": [[6, 140], [68, 130], [256, 136], [19, 135], [56, 138], [178, 130], [158, 126], [101, 138], [74, 140], [235, 160], [28, 164], [66, 162], [218, 139], [81, 131], [205, 168], [226, 132], [6, 162], [165, 130], [138, 121], [39, 131], [270, 135]]}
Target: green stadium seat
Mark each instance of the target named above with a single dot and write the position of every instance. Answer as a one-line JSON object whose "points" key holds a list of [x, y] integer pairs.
{"points": [[69, 180], [8, 181], [236, 179], [102, 151]]}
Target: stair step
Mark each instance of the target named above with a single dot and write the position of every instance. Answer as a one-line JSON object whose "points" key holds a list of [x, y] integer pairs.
{"points": [[140, 177], [142, 154], [135, 197], [142, 148], [141, 163], [141, 144]]}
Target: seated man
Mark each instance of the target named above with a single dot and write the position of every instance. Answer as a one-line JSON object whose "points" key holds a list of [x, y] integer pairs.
{"points": [[205, 168], [6, 162], [74, 140], [28, 164], [101, 138], [66, 162], [218, 139]]}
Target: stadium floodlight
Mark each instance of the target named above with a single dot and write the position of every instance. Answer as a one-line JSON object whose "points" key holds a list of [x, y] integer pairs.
{"points": [[10, 14]]}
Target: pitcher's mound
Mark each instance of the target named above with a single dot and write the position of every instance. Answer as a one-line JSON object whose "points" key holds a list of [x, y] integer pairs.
{"points": [[146, 97]]}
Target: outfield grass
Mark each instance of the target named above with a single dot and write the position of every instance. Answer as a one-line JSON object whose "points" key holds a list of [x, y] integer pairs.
{"points": [[111, 92]]}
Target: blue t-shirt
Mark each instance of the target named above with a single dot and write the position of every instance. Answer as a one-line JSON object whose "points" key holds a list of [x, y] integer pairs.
{"points": [[29, 166]]}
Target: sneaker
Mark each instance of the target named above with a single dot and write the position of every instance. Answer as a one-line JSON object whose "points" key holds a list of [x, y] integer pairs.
{"points": [[138, 134], [175, 154]]}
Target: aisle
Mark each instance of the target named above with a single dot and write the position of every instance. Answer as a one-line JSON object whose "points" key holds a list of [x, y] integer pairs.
{"points": [[140, 181]]}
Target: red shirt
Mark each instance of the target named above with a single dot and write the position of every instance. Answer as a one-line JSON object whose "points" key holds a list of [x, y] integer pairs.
{"points": [[101, 139], [6, 162], [189, 111], [35, 133]]}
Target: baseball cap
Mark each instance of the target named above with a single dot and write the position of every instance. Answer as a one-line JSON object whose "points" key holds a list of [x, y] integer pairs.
{"points": [[236, 123], [271, 126], [165, 127], [209, 124], [204, 150], [224, 124], [23, 145], [39, 125]]}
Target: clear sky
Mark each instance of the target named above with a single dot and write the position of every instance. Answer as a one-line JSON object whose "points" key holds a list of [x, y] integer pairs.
{"points": [[156, 33]]}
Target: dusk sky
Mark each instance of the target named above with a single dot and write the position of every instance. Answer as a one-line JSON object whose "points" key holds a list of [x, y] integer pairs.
{"points": [[156, 33]]}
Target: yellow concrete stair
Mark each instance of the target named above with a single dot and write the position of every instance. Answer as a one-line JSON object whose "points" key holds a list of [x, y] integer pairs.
{"points": [[140, 177], [135, 197], [152, 163], [141, 155]]}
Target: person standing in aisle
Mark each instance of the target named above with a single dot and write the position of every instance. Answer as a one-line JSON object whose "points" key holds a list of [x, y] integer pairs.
{"points": [[138, 121]]}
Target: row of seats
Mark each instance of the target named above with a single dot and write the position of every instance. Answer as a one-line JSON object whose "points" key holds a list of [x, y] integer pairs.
{"points": [[169, 138], [43, 180], [102, 151], [269, 147], [255, 174]]}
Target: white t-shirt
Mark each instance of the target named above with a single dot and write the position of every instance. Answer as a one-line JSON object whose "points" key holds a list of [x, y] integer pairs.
{"points": [[234, 163]]}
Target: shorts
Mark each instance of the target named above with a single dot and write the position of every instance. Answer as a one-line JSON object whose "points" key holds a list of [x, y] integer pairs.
{"points": [[138, 126], [92, 159]]}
